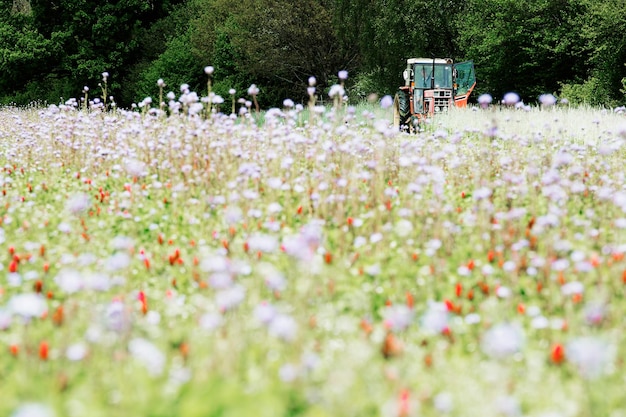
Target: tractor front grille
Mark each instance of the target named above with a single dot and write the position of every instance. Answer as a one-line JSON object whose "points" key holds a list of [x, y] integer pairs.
{"points": [[443, 99]]}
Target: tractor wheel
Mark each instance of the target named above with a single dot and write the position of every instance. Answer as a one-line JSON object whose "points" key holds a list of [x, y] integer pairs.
{"points": [[401, 110]]}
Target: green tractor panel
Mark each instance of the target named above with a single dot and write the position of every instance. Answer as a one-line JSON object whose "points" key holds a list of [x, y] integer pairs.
{"points": [[432, 85]]}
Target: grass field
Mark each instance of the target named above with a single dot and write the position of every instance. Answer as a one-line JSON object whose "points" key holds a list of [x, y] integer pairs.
{"points": [[312, 264]]}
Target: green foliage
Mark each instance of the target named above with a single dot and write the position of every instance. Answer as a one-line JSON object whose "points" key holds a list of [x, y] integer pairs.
{"points": [[24, 52], [275, 44], [52, 49], [526, 47], [588, 92], [176, 66], [605, 30]]}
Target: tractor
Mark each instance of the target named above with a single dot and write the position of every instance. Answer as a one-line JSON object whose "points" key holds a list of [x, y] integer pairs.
{"points": [[431, 86]]}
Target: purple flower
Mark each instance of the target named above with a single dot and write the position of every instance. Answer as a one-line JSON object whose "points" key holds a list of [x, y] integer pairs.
{"points": [[148, 354], [510, 99], [386, 102], [547, 100], [253, 90], [502, 340], [283, 327], [28, 305], [589, 355], [485, 100], [398, 317], [265, 313]]}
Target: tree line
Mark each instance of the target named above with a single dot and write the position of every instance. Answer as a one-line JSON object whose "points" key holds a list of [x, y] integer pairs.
{"points": [[50, 49]]}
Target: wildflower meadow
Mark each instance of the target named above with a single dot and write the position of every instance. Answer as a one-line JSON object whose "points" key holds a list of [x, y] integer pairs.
{"points": [[176, 260]]}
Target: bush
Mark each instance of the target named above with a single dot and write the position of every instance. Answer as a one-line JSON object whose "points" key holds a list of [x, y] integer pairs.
{"points": [[176, 65], [588, 92]]}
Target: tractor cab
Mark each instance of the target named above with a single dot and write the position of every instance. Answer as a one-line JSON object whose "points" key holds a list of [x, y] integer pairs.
{"points": [[432, 85]]}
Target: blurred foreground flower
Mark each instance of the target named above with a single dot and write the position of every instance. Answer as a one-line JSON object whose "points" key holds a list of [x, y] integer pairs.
{"points": [[78, 204], [148, 354], [590, 355], [28, 305], [33, 410], [502, 340]]}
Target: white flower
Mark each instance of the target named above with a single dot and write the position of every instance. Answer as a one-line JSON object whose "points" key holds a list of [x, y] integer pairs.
{"points": [[208, 70], [572, 288], [443, 402], [435, 319], [76, 352], [215, 263], [116, 318], [547, 100], [373, 270], [283, 327], [135, 168], [503, 292], [148, 354], [594, 313], [485, 100], [508, 406], [539, 322], [288, 372], [403, 227], [590, 355], [502, 340], [472, 318], [230, 298], [5, 319], [263, 243], [386, 102], [78, 204], [28, 305], [343, 75], [118, 261], [33, 410], [336, 91], [298, 247], [482, 193], [511, 99], [376, 237], [253, 90], [220, 280], [560, 264], [398, 317], [211, 321], [265, 313], [121, 243], [274, 279], [69, 280]]}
